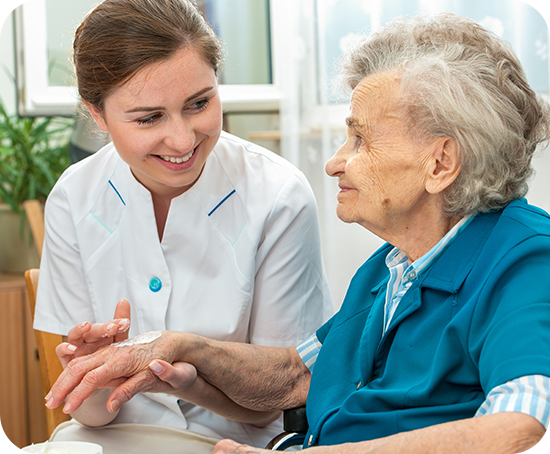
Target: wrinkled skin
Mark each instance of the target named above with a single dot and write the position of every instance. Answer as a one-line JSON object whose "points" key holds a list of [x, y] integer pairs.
{"points": [[130, 364], [87, 338]]}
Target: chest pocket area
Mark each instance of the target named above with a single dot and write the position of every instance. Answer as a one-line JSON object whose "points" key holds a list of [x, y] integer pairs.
{"points": [[229, 218], [100, 223]]}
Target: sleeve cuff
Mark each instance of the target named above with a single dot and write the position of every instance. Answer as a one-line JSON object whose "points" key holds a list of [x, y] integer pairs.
{"points": [[309, 350], [529, 395]]}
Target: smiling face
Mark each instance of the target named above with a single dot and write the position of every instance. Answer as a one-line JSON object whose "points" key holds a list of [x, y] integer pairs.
{"points": [[165, 121], [387, 180]]}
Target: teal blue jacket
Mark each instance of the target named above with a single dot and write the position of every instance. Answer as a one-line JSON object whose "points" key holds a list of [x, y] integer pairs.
{"points": [[477, 318]]}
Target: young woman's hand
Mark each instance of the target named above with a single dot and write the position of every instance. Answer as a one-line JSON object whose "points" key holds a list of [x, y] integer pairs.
{"points": [[86, 338], [177, 377]]}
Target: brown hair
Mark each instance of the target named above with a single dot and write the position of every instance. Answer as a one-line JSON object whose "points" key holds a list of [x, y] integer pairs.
{"points": [[120, 37]]}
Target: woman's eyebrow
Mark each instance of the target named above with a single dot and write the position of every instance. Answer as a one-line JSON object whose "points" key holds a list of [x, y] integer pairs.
{"points": [[354, 123], [153, 108]]}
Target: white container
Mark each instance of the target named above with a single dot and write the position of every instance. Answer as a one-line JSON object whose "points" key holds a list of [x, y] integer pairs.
{"points": [[64, 447]]}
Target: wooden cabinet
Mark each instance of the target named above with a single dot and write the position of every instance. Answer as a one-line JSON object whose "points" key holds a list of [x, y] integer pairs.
{"points": [[22, 410]]}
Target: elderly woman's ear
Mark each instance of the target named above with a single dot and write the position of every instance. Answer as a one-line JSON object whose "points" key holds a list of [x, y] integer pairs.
{"points": [[444, 165]]}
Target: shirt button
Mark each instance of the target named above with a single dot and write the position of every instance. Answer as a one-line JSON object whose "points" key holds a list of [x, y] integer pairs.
{"points": [[412, 275], [155, 284]]}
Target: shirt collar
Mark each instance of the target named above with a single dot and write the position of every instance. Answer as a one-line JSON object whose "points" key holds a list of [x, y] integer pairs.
{"points": [[398, 260]]}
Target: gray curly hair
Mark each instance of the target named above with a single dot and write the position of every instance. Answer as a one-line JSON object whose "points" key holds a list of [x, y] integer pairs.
{"points": [[460, 80]]}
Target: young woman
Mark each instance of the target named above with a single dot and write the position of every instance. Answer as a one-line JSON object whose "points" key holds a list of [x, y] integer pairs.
{"points": [[198, 230]]}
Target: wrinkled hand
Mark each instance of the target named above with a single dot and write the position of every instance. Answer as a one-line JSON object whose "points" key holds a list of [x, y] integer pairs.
{"points": [[231, 447], [86, 338], [124, 368]]}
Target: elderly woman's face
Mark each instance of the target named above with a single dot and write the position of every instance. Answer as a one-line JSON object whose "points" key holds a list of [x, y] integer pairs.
{"points": [[381, 170]]}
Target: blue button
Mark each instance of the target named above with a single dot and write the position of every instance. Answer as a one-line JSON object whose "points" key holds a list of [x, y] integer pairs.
{"points": [[155, 284]]}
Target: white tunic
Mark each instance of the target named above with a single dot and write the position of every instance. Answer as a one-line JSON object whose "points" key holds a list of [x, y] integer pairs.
{"points": [[239, 260]]}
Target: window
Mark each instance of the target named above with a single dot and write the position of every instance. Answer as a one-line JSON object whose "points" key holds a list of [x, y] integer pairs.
{"points": [[515, 21], [44, 39]]}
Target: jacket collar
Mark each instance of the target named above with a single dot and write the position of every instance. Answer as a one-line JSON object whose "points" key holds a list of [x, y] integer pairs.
{"points": [[447, 274]]}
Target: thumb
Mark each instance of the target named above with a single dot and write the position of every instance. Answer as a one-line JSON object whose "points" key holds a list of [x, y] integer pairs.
{"points": [[179, 375]]}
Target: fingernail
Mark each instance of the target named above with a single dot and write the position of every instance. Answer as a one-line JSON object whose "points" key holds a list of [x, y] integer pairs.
{"points": [[156, 367], [115, 405], [82, 325], [71, 347], [110, 326], [48, 396], [67, 408], [123, 325], [50, 402]]}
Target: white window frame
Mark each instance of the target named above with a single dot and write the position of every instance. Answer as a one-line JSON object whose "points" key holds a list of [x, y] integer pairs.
{"points": [[36, 97]]}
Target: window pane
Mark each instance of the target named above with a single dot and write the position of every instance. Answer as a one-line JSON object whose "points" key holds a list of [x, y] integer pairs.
{"points": [[339, 21], [243, 25], [62, 18]]}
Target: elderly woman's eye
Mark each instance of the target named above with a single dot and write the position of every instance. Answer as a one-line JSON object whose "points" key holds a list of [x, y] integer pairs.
{"points": [[359, 141]]}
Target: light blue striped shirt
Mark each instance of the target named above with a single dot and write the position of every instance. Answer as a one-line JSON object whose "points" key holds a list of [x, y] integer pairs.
{"points": [[529, 394]]}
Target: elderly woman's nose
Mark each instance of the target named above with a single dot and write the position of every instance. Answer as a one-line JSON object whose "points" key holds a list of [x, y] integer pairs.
{"points": [[180, 136], [336, 164]]}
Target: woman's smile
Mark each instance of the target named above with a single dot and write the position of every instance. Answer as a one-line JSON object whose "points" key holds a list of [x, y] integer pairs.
{"points": [[179, 163], [165, 122], [177, 160]]}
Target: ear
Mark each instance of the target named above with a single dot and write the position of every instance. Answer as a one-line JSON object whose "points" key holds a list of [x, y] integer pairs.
{"points": [[444, 166], [97, 114]]}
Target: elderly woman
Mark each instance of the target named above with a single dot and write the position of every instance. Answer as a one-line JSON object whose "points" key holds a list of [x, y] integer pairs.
{"points": [[441, 344]]}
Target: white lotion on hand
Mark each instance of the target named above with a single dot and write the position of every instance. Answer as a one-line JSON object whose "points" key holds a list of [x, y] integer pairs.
{"points": [[145, 338]]}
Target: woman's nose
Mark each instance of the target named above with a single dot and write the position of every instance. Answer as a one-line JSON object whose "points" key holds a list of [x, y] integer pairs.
{"points": [[336, 164], [180, 136]]}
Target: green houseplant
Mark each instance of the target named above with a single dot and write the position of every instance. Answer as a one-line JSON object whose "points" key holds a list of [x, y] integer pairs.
{"points": [[33, 154]]}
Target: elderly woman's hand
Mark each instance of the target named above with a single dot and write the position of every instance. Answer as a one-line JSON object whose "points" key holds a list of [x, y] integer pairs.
{"points": [[231, 447], [86, 338], [126, 363]]}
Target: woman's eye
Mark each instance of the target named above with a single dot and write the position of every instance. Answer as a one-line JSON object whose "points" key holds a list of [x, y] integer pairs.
{"points": [[149, 120], [359, 141], [199, 105]]}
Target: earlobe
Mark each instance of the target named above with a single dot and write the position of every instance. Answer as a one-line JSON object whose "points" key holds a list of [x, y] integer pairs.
{"points": [[445, 166], [97, 115]]}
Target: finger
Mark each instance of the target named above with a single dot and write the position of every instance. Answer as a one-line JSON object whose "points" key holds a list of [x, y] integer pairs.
{"points": [[178, 375], [73, 374], [123, 317], [231, 447], [76, 334], [65, 352], [93, 380], [225, 446], [101, 331], [141, 382], [123, 309]]}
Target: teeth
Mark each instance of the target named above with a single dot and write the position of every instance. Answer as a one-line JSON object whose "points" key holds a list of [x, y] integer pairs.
{"points": [[177, 160]]}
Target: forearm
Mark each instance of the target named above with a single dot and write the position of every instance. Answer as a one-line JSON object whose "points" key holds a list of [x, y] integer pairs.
{"points": [[255, 377], [205, 395], [501, 433]]}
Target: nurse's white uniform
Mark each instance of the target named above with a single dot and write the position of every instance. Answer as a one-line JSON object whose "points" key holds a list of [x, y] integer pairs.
{"points": [[240, 260]]}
